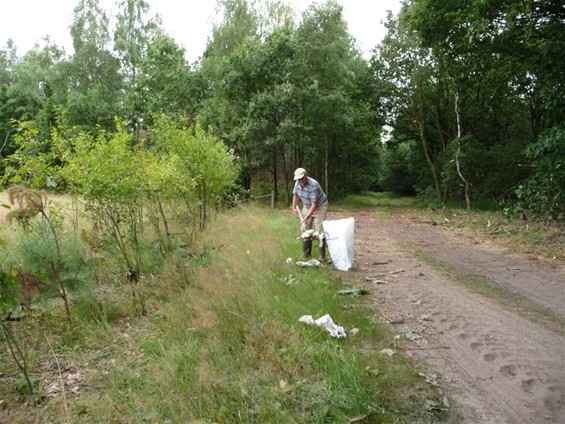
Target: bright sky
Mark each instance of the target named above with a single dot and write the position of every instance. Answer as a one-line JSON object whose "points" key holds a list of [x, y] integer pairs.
{"points": [[189, 22]]}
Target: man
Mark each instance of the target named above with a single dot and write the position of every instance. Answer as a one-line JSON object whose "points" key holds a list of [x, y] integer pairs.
{"points": [[314, 211]]}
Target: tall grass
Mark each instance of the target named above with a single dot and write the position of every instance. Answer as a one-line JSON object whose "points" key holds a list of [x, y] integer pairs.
{"points": [[227, 347]]}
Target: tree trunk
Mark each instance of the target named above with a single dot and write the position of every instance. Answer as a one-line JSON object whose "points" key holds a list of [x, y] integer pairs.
{"points": [[426, 146], [457, 162], [326, 165], [287, 172], [429, 159], [275, 173]]}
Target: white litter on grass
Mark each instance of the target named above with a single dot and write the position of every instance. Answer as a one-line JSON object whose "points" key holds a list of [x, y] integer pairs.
{"points": [[326, 322], [290, 280], [306, 319], [311, 262], [288, 260]]}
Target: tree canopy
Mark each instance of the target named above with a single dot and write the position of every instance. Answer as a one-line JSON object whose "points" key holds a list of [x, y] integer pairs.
{"points": [[461, 101]]}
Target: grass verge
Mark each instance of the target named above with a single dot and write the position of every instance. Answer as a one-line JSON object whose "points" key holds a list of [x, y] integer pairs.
{"points": [[226, 346], [370, 199]]}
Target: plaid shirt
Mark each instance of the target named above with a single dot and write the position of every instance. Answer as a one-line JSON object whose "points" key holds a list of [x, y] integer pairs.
{"points": [[309, 193]]}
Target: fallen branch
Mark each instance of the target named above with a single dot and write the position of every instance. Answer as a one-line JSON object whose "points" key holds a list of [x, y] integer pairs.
{"points": [[391, 320]]}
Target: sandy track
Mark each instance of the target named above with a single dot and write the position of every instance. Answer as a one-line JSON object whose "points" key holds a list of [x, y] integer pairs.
{"points": [[496, 365]]}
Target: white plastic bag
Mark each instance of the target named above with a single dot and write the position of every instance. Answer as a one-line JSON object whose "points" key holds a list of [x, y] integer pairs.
{"points": [[326, 322], [340, 236]]}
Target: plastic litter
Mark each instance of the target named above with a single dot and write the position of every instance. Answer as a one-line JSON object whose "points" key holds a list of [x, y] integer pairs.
{"points": [[310, 235], [327, 323], [311, 262]]}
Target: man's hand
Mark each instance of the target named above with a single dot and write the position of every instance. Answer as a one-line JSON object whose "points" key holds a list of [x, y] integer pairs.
{"points": [[295, 211]]}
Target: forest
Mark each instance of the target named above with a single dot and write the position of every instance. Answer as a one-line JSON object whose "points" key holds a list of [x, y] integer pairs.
{"points": [[462, 102]]}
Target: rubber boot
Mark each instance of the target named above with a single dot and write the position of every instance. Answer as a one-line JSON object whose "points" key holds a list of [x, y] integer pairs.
{"points": [[306, 249], [322, 252]]}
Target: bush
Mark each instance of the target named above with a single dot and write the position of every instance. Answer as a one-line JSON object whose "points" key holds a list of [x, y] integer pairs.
{"points": [[542, 195]]}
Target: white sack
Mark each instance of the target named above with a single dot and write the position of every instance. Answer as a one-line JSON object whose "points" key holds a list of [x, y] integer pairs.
{"points": [[340, 236]]}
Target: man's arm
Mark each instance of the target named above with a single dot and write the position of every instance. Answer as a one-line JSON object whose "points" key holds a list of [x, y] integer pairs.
{"points": [[310, 211], [295, 200]]}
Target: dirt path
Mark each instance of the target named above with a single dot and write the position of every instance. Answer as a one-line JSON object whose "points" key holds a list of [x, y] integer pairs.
{"points": [[497, 365]]}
